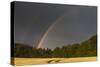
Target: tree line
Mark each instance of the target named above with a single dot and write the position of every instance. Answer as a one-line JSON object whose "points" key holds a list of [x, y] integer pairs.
{"points": [[87, 48]]}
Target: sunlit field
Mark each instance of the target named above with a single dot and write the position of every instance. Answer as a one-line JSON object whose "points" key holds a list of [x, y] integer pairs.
{"points": [[32, 61]]}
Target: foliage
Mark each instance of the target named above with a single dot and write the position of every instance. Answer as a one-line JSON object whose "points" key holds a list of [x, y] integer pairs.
{"points": [[85, 49]]}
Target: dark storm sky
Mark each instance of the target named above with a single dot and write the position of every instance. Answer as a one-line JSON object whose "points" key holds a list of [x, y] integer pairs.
{"points": [[32, 20]]}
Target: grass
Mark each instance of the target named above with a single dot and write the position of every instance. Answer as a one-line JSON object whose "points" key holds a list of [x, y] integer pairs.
{"points": [[32, 61]]}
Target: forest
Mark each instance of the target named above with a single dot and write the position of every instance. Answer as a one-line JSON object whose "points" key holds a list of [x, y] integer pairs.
{"points": [[87, 48]]}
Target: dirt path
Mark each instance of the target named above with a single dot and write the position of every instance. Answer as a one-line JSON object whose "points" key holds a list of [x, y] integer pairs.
{"points": [[32, 61]]}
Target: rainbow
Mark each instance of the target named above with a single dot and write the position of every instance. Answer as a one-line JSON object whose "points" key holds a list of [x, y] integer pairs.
{"points": [[49, 29]]}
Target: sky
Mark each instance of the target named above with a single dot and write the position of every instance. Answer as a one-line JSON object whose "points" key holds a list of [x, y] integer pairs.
{"points": [[53, 25]]}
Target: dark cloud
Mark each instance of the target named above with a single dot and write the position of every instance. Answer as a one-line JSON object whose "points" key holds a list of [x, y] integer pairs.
{"points": [[32, 20]]}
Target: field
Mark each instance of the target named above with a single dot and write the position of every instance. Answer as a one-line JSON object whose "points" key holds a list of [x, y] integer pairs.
{"points": [[32, 61]]}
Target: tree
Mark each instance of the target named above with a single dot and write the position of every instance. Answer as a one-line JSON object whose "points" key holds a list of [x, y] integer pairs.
{"points": [[84, 49]]}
